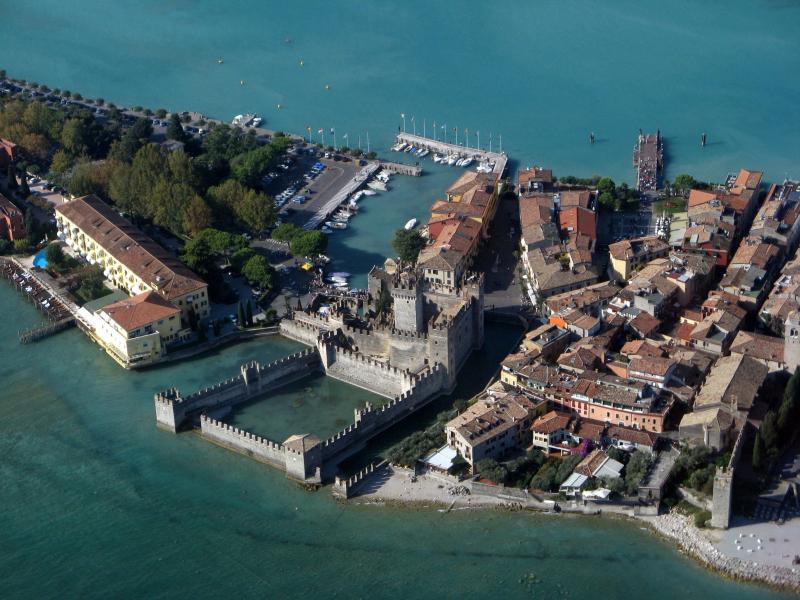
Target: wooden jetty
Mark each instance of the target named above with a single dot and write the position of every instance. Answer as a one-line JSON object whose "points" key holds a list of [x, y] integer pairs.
{"points": [[648, 160], [59, 314], [499, 159], [34, 334]]}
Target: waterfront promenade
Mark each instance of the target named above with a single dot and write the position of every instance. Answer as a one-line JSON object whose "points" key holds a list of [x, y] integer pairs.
{"points": [[499, 159]]}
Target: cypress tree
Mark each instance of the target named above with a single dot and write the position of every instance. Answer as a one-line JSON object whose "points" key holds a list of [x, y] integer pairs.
{"points": [[249, 313], [24, 190], [12, 177], [240, 316], [758, 453]]}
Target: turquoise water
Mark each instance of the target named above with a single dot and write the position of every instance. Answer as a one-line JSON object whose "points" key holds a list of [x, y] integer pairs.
{"points": [[96, 502]]}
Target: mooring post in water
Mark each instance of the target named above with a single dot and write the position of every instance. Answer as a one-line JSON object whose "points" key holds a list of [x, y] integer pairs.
{"points": [[703, 140]]}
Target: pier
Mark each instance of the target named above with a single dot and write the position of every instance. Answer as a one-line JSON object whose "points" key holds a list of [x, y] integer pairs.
{"points": [[402, 169], [58, 313], [341, 196], [648, 160], [498, 158]]}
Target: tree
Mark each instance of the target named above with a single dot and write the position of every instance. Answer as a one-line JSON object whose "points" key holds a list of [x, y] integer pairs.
{"points": [[248, 313], [197, 215], [24, 189], [383, 302], [240, 257], [74, 137], [309, 243], [758, 453], [240, 318], [256, 211], [285, 232], [61, 162], [683, 183], [175, 129], [259, 272], [11, 174], [606, 186], [408, 244], [54, 254], [607, 200], [161, 113], [490, 469]]}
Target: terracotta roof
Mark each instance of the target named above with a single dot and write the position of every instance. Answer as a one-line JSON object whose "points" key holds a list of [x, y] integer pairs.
{"points": [[747, 180], [635, 436], [735, 378], [582, 198], [140, 310], [756, 345], [637, 247], [551, 422], [657, 366], [645, 324], [698, 197], [642, 348], [119, 238]]}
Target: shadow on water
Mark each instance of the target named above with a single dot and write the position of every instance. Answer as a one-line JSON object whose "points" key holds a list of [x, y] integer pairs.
{"points": [[479, 370]]}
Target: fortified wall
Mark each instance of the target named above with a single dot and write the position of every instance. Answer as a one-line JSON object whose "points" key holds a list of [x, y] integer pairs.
{"points": [[722, 498], [173, 411]]}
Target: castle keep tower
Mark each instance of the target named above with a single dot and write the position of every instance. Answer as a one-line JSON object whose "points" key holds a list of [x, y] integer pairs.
{"points": [[407, 304]]}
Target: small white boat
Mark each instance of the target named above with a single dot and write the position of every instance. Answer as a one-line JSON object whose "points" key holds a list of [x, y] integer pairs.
{"points": [[467, 162], [398, 147], [326, 230], [356, 197], [369, 192], [256, 121], [437, 158], [409, 149], [383, 176], [337, 224], [343, 274], [411, 224], [377, 185], [452, 159], [424, 153], [460, 162]]}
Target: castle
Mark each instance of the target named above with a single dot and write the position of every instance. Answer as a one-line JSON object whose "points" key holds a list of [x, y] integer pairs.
{"points": [[427, 323], [413, 338]]}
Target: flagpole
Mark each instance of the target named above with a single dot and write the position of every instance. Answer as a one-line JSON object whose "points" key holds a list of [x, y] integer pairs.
{"points": [[403, 116], [367, 142]]}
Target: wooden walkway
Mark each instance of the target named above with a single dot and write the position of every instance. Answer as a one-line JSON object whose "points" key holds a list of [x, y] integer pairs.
{"points": [[648, 159], [58, 312]]}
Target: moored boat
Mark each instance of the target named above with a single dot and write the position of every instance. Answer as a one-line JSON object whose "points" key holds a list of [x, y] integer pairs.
{"points": [[410, 225]]}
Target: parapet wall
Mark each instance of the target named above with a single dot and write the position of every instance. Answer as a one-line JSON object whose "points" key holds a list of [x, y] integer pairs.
{"points": [[345, 488], [244, 442], [371, 421], [361, 371], [301, 331], [173, 410]]}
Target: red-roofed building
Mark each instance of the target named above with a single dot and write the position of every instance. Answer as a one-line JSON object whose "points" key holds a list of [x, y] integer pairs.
{"points": [[8, 153], [12, 226]]}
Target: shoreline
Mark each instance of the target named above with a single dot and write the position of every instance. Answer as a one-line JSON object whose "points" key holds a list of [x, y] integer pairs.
{"points": [[431, 492]]}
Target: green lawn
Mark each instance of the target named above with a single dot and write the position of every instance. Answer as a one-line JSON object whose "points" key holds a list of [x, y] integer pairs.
{"points": [[670, 205]]}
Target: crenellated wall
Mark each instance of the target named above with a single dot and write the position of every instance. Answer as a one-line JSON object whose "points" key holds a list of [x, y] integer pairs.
{"points": [[173, 410], [370, 421], [302, 331], [346, 487], [244, 442], [361, 371]]}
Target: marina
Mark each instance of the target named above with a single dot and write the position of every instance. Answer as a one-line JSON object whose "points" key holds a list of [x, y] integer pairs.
{"points": [[342, 195], [451, 154]]}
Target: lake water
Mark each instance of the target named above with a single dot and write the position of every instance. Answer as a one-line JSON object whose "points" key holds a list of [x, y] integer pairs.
{"points": [[95, 501]]}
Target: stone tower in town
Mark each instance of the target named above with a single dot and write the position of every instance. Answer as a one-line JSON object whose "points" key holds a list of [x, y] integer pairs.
{"points": [[407, 303], [791, 341]]}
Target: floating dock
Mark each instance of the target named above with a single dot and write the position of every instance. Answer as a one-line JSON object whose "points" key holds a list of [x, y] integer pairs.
{"points": [[499, 159], [648, 160]]}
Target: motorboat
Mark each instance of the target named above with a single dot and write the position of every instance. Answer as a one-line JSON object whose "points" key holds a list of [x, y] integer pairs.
{"points": [[341, 274], [326, 230], [336, 224], [437, 158], [451, 160], [411, 224], [467, 162], [377, 185], [424, 153], [369, 192], [460, 162]]}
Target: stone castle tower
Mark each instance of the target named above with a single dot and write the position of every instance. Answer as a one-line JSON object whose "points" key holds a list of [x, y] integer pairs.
{"points": [[407, 303], [791, 341]]}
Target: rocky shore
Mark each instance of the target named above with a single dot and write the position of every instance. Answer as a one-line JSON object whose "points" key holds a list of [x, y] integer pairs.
{"points": [[690, 539]]}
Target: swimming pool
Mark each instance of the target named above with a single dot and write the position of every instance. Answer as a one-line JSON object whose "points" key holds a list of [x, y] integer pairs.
{"points": [[39, 260]]}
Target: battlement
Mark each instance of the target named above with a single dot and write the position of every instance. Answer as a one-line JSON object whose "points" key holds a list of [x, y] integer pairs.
{"points": [[402, 333], [169, 396], [227, 384], [366, 360], [345, 487], [356, 330], [442, 323], [208, 422]]}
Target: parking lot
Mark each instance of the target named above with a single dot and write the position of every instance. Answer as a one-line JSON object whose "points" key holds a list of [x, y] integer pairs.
{"points": [[301, 190]]}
